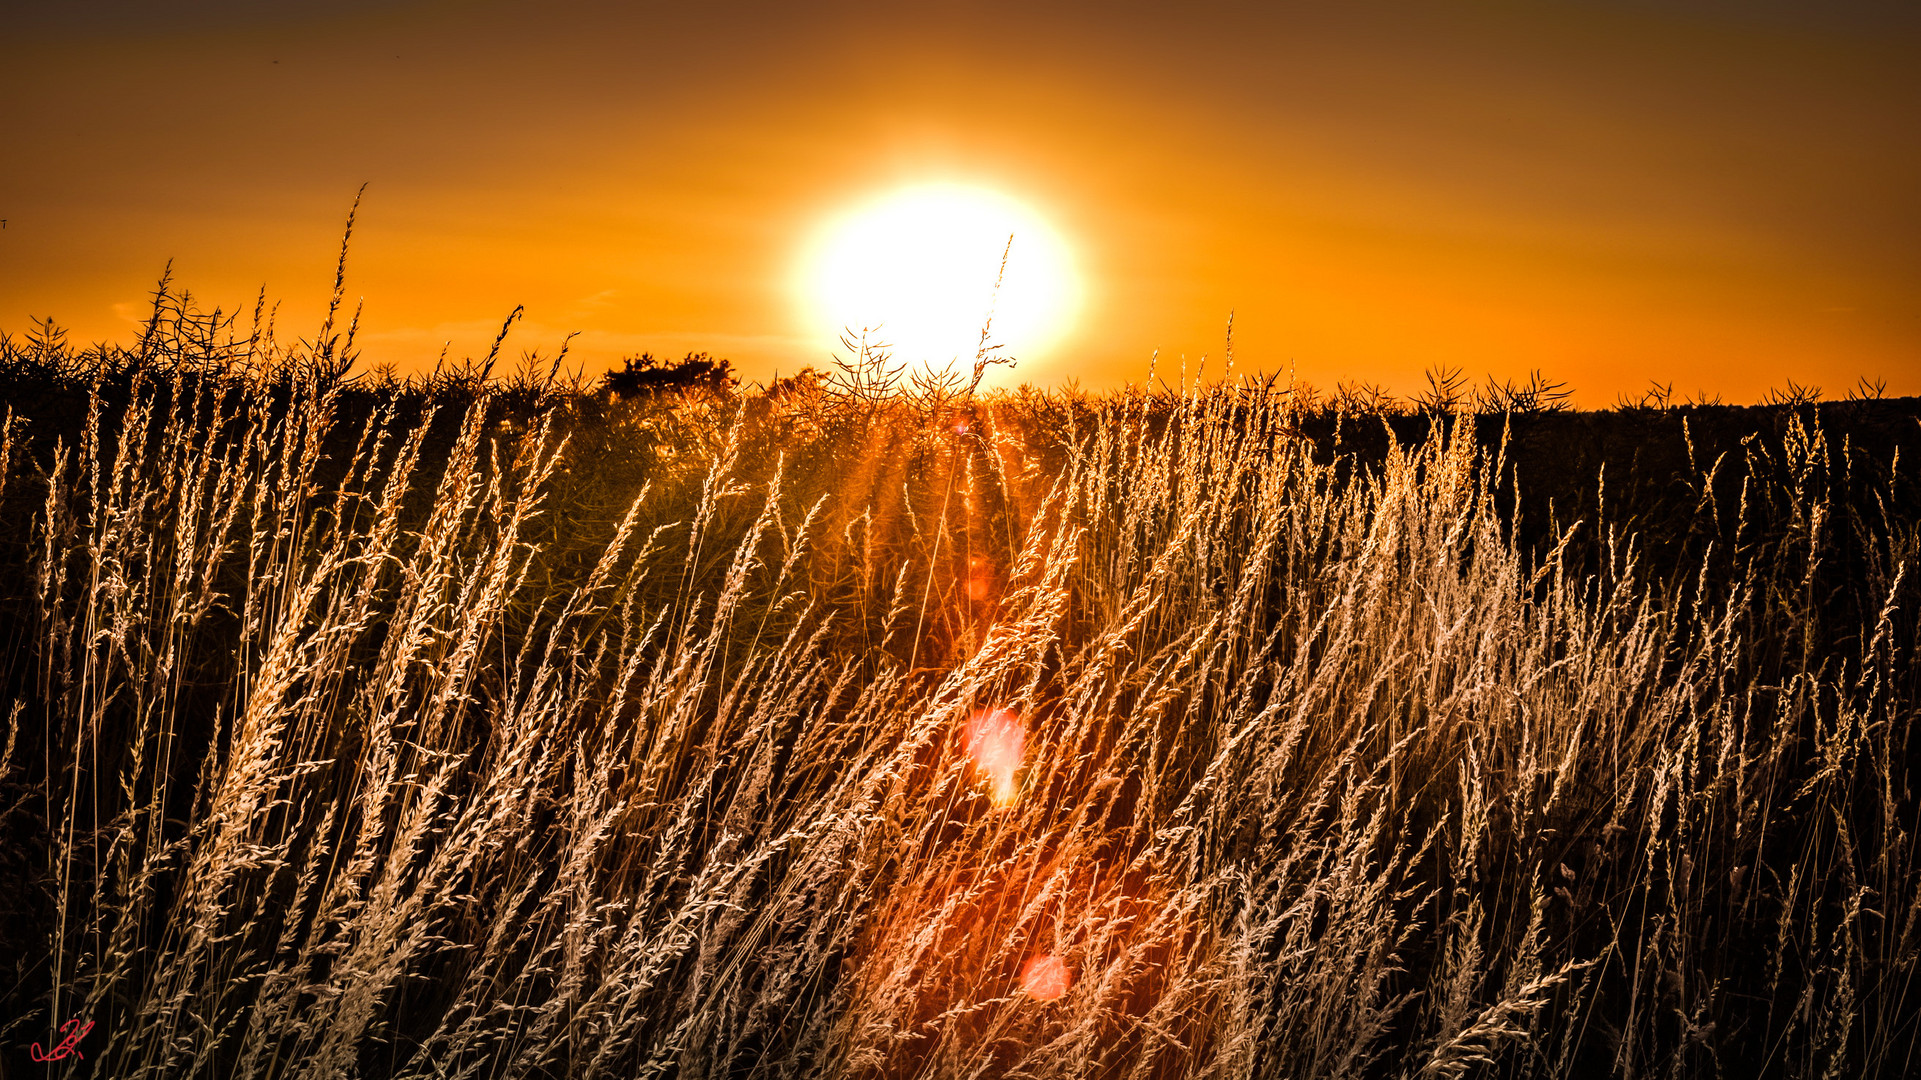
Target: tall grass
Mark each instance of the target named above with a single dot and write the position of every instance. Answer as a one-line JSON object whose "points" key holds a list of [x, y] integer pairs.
{"points": [[484, 731]]}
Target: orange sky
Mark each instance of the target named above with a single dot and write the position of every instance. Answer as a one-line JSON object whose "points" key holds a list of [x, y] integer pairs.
{"points": [[1613, 192]]}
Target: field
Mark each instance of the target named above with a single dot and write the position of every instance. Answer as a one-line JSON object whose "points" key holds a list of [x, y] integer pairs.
{"points": [[495, 726]]}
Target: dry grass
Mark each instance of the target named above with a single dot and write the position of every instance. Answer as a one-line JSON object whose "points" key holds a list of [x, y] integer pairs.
{"points": [[373, 733]]}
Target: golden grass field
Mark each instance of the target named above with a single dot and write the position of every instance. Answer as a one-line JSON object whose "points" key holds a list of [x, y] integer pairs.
{"points": [[863, 726]]}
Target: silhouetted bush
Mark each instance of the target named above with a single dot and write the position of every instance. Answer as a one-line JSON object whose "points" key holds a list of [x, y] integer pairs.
{"points": [[646, 374]]}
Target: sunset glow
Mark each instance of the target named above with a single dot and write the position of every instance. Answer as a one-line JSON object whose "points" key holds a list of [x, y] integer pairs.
{"points": [[920, 267], [1611, 193], [538, 534]]}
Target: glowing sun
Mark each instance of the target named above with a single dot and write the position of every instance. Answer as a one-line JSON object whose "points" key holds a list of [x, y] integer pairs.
{"points": [[919, 266]]}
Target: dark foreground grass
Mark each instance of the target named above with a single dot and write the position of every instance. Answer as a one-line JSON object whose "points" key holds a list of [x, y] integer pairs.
{"points": [[483, 728]]}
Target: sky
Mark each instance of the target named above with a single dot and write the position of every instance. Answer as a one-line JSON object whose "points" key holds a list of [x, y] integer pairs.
{"points": [[1717, 196]]}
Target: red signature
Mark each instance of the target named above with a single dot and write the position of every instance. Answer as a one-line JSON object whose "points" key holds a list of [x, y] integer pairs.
{"points": [[72, 1031]]}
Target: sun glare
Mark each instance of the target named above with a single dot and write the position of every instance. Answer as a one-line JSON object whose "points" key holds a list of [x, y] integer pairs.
{"points": [[919, 266]]}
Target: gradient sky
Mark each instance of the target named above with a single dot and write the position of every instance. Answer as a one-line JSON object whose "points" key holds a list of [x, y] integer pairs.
{"points": [[1722, 196]]}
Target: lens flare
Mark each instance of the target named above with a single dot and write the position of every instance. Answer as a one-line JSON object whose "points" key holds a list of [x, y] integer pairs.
{"points": [[996, 740], [1046, 977], [980, 580]]}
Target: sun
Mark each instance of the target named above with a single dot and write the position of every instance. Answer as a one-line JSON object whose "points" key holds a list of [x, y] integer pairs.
{"points": [[919, 265]]}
